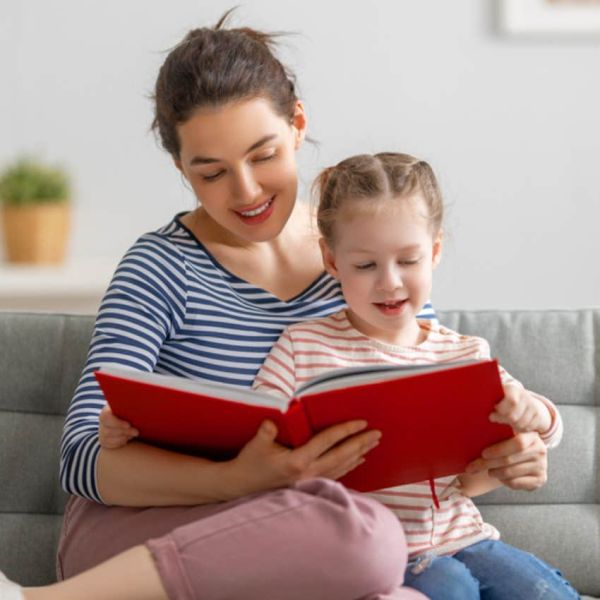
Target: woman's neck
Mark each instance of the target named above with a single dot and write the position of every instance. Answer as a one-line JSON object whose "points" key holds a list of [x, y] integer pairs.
{"points": [[301, 224], [284, 266]]}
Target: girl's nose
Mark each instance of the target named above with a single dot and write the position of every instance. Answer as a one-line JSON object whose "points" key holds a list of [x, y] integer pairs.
{"points": [[390, 279]]}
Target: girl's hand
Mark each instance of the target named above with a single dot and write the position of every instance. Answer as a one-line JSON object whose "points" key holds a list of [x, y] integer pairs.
{"points": [[520, 463], [522, 411], [114, 432], [264, 464]]}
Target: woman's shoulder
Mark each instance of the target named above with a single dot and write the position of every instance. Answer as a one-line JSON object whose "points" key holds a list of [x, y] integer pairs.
{"points": [[155, 255], [164, 241]]}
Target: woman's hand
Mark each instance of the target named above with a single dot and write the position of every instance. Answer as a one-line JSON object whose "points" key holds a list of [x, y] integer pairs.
{"points": [[522, 411], [114, 432], [520, 463], [264, 464]]}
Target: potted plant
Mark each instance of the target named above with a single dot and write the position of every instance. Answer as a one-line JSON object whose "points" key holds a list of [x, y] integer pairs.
{"points": [[35, 201]]}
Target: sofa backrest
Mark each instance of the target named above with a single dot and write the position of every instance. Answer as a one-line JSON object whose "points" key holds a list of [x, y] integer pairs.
{"points": [[41, 358], [556, 353]]}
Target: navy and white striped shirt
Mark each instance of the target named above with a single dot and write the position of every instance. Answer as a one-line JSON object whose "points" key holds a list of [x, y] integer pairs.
{"points": [[172, 308]]}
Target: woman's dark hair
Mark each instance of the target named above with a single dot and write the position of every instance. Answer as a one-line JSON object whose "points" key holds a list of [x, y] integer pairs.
{"points": [[213, 66]]}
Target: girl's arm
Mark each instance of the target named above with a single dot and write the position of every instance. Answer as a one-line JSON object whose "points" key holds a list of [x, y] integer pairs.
{"points": [[520, 463], [477, 484], [527, 411]]}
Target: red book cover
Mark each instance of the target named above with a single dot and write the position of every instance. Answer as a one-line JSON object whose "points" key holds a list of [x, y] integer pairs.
{"points": [[434, 419], [434, 423], [193, 421]]}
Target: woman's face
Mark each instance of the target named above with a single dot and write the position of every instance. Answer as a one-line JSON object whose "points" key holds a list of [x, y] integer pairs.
{"points": [[240, 161]]}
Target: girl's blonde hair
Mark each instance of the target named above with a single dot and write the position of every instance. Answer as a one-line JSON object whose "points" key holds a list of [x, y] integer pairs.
{"points": [[387, 175]]}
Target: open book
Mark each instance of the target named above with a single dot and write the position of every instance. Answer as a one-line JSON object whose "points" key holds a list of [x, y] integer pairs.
{"points": [[434, 418]]}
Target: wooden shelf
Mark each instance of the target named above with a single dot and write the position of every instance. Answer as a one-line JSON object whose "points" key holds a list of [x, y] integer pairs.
{"points": [[72, 287]]}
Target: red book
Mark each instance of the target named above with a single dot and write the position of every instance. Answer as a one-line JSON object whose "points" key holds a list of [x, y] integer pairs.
{"points": [[434, 418]]}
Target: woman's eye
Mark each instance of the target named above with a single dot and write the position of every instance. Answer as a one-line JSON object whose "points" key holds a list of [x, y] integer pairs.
{"points": [[265, 157], [212, 176]]}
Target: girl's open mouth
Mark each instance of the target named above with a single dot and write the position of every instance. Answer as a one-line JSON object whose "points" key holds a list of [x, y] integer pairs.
{"points": [[391, 308]]}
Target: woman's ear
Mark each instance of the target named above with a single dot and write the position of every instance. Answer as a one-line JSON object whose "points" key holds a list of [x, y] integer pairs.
{"points": [[328, 258], [437, 248], [299, 124], [179, 165]]}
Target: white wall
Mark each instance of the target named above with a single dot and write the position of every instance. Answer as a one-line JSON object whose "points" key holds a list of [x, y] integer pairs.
{"points": [[511, 126]]}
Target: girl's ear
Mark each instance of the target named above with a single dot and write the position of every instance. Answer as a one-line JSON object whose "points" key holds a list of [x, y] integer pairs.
{"points": [[437, 248], [299, 124], [328, 258]]}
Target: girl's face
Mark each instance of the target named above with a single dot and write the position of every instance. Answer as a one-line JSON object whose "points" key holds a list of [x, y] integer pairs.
{"points": [[384, 259], [240, 161]]}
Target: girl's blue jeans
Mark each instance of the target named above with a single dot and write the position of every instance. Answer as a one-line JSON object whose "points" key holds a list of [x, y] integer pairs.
{"points": [[488, 570]]}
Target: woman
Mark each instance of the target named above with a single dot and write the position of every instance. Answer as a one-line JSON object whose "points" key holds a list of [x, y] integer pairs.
{"points": [[206, 296]]}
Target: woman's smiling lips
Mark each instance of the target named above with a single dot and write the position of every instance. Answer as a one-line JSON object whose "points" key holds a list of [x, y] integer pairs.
{"points": [[258, 213]]}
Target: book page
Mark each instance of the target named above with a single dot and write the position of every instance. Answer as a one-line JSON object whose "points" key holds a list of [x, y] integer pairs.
{"points": [[342, 378], [221, 391]]}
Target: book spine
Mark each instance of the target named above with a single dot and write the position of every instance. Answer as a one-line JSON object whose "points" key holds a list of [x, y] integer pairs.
{"points": [[294, 426]]}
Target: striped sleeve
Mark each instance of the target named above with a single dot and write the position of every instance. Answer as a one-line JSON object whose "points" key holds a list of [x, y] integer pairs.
{"points": [[144, 304], [553, 436], [277, 375]]}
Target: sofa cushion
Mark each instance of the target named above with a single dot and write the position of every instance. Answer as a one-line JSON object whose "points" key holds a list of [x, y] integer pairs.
{"points": [[553, 352]]}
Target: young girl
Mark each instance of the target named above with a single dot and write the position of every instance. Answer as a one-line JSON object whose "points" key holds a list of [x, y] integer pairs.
{"points": [[380, 218]]}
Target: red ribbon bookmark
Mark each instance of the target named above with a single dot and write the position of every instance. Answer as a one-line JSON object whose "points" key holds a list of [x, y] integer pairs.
{"points": [[433, 494]]}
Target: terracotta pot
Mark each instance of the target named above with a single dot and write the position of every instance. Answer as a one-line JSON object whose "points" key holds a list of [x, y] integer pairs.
{"points": [[37, 233]]}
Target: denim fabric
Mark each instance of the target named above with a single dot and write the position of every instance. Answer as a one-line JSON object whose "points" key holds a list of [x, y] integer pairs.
{"points": [[488, 570]]}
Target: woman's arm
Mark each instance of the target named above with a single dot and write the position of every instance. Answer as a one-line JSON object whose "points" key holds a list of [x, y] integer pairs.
{"points": [[138, 474], [143, 306]]}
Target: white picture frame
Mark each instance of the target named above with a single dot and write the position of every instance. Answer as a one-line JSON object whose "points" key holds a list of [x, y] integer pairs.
{"points": [[560, 18]]}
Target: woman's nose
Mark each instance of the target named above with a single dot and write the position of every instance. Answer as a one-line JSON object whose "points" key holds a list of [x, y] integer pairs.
{"points": [[246, 188]]}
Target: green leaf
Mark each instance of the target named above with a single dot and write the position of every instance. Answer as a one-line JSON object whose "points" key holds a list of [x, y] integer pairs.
{"points": [[28, 181]]}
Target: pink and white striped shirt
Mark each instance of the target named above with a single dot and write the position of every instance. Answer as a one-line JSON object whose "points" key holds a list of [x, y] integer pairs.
{"points": [[309, 349]]}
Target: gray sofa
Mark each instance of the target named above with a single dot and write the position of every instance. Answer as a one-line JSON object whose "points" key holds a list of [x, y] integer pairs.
{"points": [[554, 352]]}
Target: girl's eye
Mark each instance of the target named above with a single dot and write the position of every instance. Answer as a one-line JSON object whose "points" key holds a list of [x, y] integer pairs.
{"points": [[212, 176], [414, 261], [364, 266]]}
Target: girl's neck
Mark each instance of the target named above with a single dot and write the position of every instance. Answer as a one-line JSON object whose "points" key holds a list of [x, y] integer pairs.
{"points": [[409, 335]]}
